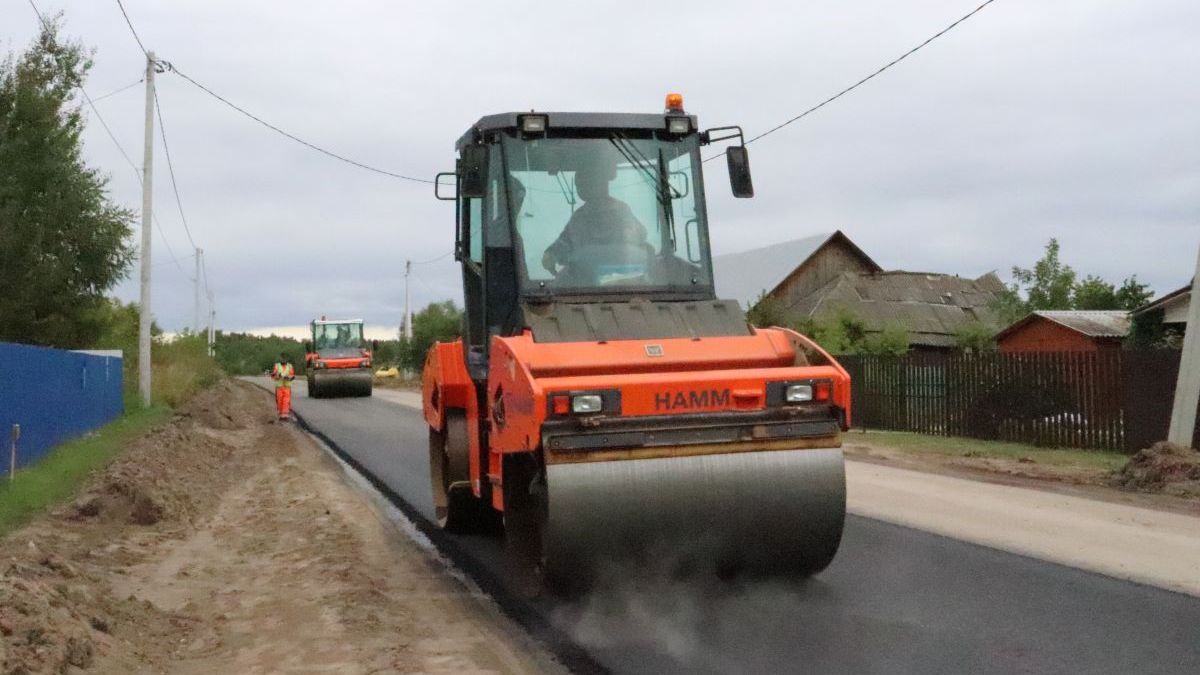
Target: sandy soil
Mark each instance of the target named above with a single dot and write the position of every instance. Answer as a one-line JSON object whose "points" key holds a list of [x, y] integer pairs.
{"points": [[224, 543]]}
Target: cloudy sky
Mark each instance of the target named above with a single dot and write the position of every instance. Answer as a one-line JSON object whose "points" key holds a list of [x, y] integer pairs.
{"points": [[1075, 119]]}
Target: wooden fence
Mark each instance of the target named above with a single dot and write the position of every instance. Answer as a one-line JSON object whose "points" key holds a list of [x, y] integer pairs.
{"points": [[1118, 400]]}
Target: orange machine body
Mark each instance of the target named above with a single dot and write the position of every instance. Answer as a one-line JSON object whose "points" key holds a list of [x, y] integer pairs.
{"points": [[647, 385], [314, 360]]}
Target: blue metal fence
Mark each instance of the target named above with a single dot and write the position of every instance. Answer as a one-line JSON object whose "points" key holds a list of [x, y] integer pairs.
{"points": [[55, 396]]}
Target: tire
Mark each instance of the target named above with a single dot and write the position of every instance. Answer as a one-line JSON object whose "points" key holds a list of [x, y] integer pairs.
{"points": [[313, 390], [455, 506]]}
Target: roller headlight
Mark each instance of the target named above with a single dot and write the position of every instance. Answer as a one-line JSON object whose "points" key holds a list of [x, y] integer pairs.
{"points": [[583, 404], [798, 393]]}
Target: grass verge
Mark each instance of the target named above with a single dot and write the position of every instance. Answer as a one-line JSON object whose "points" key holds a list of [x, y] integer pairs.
{"points": [[953, 446], [59, 475]]}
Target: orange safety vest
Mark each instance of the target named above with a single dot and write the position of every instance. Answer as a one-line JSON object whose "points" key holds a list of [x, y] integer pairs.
{"points": [[283, 374]]}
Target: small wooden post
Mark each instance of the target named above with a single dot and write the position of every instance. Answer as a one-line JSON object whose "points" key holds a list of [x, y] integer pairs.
{"points": [[12, 455]]}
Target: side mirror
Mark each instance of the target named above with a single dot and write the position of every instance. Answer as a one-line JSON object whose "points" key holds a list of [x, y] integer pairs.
{"points": [[473, 171], [374, 346], [739, 171], [308, 346]]}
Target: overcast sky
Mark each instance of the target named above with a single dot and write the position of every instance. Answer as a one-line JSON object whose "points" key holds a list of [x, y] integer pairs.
{"points": [[1076, 119]]}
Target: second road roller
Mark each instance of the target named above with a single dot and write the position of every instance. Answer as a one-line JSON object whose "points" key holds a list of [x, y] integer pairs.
{"points": [[603, 402], [337, 361]]}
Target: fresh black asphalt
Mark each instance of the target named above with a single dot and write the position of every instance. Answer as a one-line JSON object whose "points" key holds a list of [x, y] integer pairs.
{"points": [[896, 600]]}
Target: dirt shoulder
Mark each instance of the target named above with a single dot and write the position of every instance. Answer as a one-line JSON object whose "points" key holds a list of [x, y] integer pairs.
{"points": [[221, 542], [1091, 474]]}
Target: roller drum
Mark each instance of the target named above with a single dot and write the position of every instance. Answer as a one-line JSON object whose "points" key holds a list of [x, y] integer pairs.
{"points": [[340, 382], [777, 512]]}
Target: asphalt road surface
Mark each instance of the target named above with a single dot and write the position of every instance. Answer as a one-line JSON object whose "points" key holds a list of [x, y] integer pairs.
{"points": [[896, 600]]}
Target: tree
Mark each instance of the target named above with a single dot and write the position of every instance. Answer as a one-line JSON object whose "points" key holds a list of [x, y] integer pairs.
{"points": [[975, 337], [1049, 284], [767, 312], [437, 322], [246, 354], [845, 333], [1095, 293], [1132, 294], [63, 243], [891, 341]]}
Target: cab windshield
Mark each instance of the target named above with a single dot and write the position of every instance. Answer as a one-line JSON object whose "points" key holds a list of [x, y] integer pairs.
{"points": [[608, 214], [337, 336]]}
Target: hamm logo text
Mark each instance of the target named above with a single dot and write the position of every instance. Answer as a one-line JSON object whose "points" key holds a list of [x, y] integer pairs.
{"points": [[675, 400]]}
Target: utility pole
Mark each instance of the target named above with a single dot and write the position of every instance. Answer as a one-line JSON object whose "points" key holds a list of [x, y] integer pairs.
{"points": [[196, 289], [145, 317], [212, 325], [408, 327], [1187, 387]]}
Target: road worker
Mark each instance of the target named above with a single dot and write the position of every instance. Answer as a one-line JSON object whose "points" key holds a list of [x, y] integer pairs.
{"points": [[283, 373]]}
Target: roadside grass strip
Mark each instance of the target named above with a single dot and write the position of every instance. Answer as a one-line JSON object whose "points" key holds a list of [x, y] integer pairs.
{"points": [[59, 474], [955, 446]]}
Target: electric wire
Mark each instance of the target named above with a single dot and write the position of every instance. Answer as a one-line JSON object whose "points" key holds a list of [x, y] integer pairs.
{"points": [[166, 145], [868, 78], [100, 118], [162, 130], [131, 85], [292, 136], [132, 29], [443, 256]]}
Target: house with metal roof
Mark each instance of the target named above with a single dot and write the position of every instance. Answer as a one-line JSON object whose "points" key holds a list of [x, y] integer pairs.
{"points": [[789, 270], [824, 275], [1066, 331], [1170, 309]]}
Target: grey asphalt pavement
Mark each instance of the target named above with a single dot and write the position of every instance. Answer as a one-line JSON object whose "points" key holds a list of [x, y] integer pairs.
{"points": [[896, 600]]}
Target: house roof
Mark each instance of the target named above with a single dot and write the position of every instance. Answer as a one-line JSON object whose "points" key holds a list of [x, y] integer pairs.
{"points": [[1178, 295], [932, 308], [1092, 323], [746, 275]]}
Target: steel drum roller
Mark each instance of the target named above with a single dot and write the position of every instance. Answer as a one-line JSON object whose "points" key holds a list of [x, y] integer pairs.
{"points": [[333, 383], [760, 513]]}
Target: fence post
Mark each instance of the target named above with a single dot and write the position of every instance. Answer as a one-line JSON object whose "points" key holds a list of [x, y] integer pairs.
{"points": [[12, 455]]}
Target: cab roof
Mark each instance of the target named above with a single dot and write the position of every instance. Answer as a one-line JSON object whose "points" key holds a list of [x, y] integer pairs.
{"points": [[571, 120], [325, 322]]}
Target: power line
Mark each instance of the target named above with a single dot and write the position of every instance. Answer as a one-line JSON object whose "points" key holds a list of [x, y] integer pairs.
{"points": [[442, 257], [868, 78], [162, 129], [132, 29], [100, 118], [258, 119], [291, 136], [166, 149], [131, 85]]}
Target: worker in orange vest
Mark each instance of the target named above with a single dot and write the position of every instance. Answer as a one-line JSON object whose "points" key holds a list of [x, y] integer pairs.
{"points": [[283, 373]]}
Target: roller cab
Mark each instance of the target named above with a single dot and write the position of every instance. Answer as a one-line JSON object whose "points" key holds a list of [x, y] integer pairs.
{"points": [[337, 359], [603, 402]]}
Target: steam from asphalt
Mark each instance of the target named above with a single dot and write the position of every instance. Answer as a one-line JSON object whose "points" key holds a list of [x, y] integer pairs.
{"points": [[685, 620]]}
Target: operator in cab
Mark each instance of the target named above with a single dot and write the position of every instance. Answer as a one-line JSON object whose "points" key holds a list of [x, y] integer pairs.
{"points": [[601, 221]]}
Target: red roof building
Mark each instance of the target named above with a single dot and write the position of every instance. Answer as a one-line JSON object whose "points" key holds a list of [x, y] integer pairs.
{"points": [[1066, 331]]}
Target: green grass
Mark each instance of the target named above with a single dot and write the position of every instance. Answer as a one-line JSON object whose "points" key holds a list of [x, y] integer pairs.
{"points": [[59, 475], [970, 447]]}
